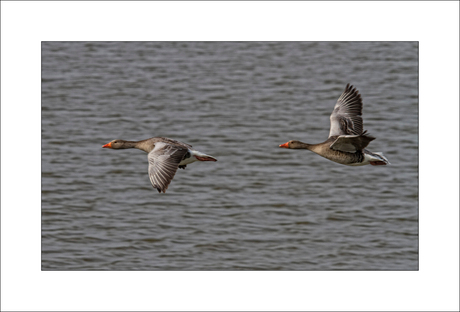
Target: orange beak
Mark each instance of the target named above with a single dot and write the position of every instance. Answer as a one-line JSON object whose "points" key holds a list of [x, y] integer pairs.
{"points": [[285, 145], [108, 145]]}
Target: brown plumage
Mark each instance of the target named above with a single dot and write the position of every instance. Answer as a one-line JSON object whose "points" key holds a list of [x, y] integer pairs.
{"points": [[165, 156], [347, 141]]}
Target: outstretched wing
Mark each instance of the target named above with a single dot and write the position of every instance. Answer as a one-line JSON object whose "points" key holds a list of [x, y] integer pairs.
{"points": [[164, 160], [346, 117]]}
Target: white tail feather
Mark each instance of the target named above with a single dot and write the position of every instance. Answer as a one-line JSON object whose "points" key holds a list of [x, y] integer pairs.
{"points": [[383, 157]]}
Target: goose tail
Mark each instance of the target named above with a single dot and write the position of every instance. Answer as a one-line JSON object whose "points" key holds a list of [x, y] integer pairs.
{"points": [[380, 160], [203, 157]]}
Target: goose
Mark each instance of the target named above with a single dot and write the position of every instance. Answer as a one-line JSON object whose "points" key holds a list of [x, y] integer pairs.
{"points": [[347, 140], [165, 156]]}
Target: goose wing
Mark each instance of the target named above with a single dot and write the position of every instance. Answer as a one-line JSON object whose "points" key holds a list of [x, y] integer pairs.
{"points": [[164, 160], [346, 117], [351, 143], [172, 142]]}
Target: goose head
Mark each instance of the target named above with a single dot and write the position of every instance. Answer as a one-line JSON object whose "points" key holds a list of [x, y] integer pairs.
{"points": [[115, 144], [290, 144]]}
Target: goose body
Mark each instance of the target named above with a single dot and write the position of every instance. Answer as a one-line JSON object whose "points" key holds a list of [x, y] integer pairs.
{"points": [[347, 141], [165, 156]]}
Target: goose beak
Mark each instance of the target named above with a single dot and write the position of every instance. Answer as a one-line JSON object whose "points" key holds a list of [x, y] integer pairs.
{"points": [[108, 145], [285, 145]]}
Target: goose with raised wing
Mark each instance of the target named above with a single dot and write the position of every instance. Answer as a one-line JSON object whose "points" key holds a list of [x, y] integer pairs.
{"points": [[164, 156], [347, 141]]}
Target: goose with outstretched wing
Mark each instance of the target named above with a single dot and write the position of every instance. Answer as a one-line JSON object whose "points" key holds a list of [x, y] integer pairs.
{"points": [[165, 156], [347, 141]]}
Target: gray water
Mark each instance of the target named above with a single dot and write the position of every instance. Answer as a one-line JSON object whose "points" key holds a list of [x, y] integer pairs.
{"points": [[259, 207]]}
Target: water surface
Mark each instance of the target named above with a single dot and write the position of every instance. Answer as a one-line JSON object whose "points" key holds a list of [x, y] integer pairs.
{"points": [[259, 207]]}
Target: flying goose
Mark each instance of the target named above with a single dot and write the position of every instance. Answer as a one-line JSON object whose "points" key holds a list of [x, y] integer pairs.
{"points": [[164, 156], [347, 140]]}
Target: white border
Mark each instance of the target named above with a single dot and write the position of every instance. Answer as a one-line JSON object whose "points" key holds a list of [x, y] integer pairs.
{"points": [[26, 24]]}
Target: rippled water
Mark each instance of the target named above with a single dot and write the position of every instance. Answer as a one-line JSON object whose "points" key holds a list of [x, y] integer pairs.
{"points": [[259, 207]]}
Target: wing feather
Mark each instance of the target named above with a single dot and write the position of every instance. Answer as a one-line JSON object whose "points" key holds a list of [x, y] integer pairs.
{"points": [[351, 143], [164, 160], [346, 117]]}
